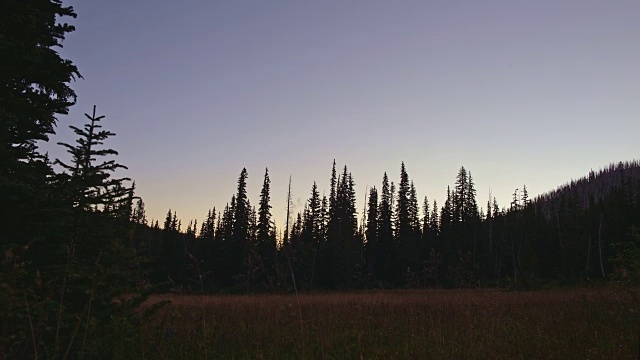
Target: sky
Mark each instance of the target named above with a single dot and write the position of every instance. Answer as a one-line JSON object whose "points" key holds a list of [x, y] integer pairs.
{"points": [[517, 92]]}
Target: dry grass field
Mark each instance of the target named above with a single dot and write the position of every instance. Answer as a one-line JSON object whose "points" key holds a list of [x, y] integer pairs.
{"points": [[586, 323]]}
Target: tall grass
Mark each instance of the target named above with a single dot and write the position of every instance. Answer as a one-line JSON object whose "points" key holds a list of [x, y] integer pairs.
{"points": [[451, 324]]}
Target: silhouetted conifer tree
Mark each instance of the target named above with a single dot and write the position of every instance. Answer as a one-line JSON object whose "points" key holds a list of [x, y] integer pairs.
{"points": [[372, 246], [266, 240], [241, 241], [386, 263]]}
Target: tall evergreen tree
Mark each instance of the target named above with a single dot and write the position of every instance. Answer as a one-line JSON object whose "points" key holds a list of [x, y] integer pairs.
{"points": [[427, 234], [342, 258], [324, 217], [241, 219], [207, 229], [34, 92], [264, 213], [310, 240], [167, 221], [333, 184], [434, 220], [373, 249], [139, 215], [386, 261], [313, 220], [471, 206], [406, 226]]}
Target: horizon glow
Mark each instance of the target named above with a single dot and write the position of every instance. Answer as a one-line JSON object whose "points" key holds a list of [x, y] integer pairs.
{"points": [[534, 93]]}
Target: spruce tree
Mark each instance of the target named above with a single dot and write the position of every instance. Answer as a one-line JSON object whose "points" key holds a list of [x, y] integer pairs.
{"points": [[313, 219], [93, 186], [266, 240], [167, 221], [34, 91], [100, 262], [460, 194], [406, 225], [310, 240], [264, 212], [372, 246], [434, 221], [139, 215], [342, 258], [207, 229], [241, 241], [427, 234]]}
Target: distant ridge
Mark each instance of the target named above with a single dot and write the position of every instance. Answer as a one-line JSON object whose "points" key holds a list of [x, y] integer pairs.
{"points": [[595, 187]]}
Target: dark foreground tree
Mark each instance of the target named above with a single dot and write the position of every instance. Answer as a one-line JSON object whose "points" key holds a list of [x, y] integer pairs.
{"points": [[34, 91]]}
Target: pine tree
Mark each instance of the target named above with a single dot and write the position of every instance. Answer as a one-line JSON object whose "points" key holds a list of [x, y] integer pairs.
{"points": [[139, 226], [34, 92], [93, 185], [139, 215], [296, 234], [386, 257], [406, 226], [100, 262], [414, 212], [266, 246], [175, 222], [313, 219], [446, 214], [264, 212], [460, 200], [426, 214], [473, 219], [207, 229], [31, 99], [241, 241], [434, 221], [342, 258], [324, 217], [372, 247], [310, 241], [286, 238], [471, 206], [427, 233], [35, 223], [333, 184], [525, 196], [167, 221]]}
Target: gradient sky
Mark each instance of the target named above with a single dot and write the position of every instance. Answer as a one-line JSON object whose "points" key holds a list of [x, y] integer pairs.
{"points": [[518, 92]]}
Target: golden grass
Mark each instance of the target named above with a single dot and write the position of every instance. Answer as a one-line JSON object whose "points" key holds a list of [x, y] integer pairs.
{"points": [[591, 323]]}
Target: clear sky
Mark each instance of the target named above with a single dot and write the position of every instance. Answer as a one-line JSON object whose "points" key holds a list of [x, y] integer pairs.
{"points": [[518, 92]]}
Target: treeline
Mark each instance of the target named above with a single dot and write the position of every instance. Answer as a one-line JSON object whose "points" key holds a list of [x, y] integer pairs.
{"points": [[77, 256], [568, 235]]}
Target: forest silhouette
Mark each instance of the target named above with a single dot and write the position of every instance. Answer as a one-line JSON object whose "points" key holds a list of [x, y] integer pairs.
{"points": [[74, 237]]}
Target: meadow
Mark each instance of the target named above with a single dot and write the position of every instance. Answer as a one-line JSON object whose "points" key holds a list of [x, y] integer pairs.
{"points": [[582, 323]]}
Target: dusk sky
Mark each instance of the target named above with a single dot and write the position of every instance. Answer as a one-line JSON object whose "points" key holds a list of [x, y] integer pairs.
{"points": [[518, 92]]}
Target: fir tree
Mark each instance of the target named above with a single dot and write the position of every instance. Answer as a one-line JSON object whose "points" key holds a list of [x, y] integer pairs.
{"points": [[207, 229], [266, 240], [167, 221], [34, 92], [406, 225], [241, 241], [139, 215], [386, 256], [373, 249], [434, 221], [92, 183], [264, 212]]}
